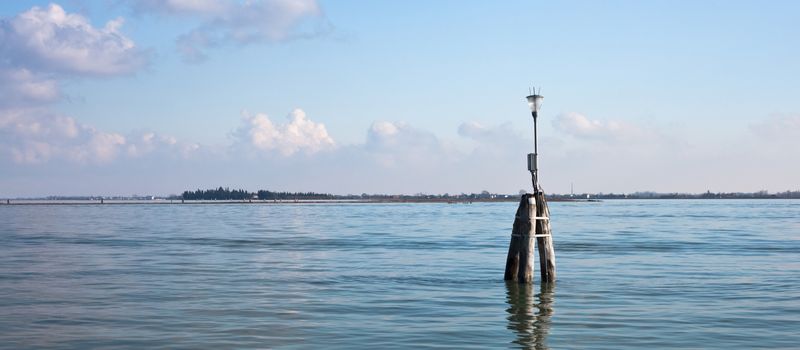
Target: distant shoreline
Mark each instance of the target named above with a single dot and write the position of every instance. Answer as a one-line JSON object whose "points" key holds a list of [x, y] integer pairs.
{"points": [[254, 201], [43, 202], [223, 195]]}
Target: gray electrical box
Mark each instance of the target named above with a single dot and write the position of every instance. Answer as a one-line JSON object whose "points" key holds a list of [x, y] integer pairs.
{"points": [[531, 161]]}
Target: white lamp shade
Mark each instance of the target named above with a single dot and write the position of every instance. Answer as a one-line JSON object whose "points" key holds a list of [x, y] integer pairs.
{"points": [[535, 102]]}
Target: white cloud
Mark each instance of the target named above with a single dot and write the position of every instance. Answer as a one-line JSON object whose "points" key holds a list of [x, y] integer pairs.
{"points": [[398, 144], [36, 135], [385, 135], [503, 134], [472, 130], [183, 7], [384, 129], [399, 136], [31, 152], [150, 143], [101, 147], [50, 40], [578, 125], [247, 22], [37, 123], [495, 145], [299, 134], [21, 87]]}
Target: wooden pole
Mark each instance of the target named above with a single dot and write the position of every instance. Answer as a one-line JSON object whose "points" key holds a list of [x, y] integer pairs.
{"points": [[544, 240], [519, 262]]}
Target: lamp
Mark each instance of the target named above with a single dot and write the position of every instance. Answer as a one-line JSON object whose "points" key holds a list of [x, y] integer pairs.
{"points": [[534, 103]]}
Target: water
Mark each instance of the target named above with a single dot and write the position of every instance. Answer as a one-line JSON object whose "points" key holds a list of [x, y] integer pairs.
{"points": [[632, 274]]}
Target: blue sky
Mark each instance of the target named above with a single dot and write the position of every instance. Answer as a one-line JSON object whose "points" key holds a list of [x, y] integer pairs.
{"points": [[396, 97]]}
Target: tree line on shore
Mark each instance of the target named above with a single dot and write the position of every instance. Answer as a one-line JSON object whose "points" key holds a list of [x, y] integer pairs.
{"points": [[240, 194]]}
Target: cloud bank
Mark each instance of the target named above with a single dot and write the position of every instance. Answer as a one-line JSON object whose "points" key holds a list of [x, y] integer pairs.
{"points": [[36, 136], [241, 23], [298, 154], [41, 48], [53, 41]]}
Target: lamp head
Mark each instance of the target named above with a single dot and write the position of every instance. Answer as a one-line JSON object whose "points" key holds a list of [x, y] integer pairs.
{"points": [[535, 102]]}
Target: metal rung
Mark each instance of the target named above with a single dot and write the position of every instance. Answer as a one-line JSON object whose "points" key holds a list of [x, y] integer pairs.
{"points": [[534, 236], [535, 217]]}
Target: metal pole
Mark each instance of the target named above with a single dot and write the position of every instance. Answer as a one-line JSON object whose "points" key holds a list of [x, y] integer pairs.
{"points": [[535, 171], [535, 142]]}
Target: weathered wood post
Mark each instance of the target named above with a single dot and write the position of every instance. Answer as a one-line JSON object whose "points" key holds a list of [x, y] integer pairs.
{"points": [[544, 240], [532, 221], [519, 262]]}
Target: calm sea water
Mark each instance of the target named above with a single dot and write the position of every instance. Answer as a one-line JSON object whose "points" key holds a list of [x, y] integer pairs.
{"points": [[631, 274]]}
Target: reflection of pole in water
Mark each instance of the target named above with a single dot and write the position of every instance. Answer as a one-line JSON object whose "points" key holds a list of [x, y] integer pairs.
{"points": [[544, 310], [520, 312], [529, 314]]}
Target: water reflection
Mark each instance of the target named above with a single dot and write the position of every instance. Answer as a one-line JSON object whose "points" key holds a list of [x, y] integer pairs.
{"points": [[529, 314]]}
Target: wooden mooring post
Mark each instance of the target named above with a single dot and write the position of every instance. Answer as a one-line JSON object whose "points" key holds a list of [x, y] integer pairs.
{"points": [[531, 222]]}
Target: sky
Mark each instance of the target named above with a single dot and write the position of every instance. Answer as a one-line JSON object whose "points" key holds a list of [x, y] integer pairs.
{"points": [[123, 97]]}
